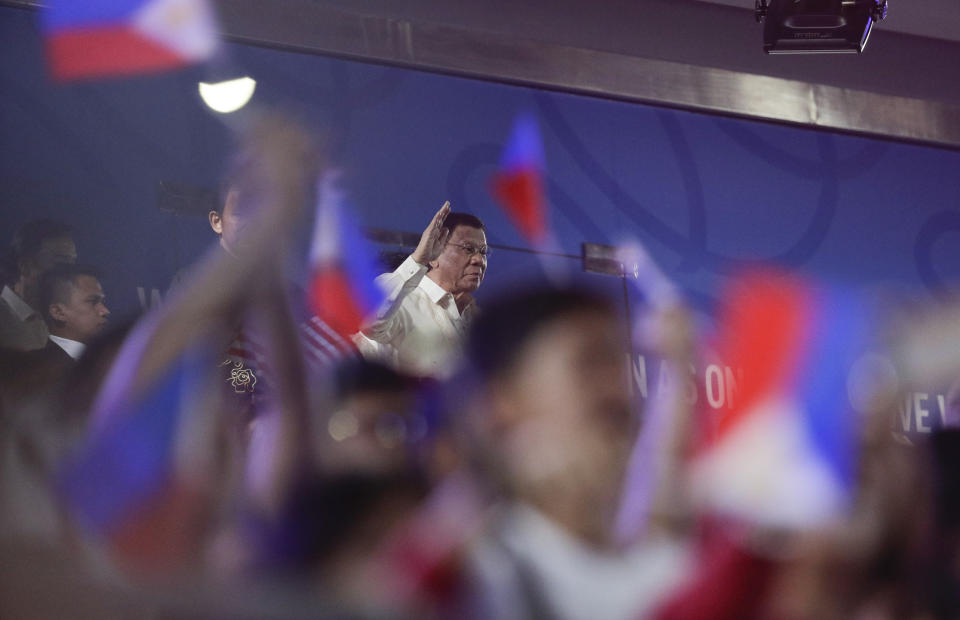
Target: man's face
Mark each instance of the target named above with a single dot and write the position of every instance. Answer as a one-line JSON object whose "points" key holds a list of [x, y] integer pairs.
{"points": [[85, 313], [457, 269], [565, 416], [231, 223]]}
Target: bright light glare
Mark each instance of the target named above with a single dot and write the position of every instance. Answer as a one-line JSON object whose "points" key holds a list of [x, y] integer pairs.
{"points": [[228, 96]]}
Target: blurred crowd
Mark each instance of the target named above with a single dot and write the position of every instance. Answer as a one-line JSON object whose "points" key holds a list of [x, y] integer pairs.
{"points": [[232, 454]]}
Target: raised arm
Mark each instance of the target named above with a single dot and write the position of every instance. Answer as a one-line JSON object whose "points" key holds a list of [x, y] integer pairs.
{"points": [[283, 165], [386, 325]]}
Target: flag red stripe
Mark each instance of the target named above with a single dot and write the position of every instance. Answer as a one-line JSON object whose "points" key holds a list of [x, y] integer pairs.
{"points": [[333, 301], [521, 194], [345, 345], [764, 328], [161, 533], [104, 51]]}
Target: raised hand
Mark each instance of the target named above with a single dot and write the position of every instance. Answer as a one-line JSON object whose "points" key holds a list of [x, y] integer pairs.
{"points": [[434, 237]]}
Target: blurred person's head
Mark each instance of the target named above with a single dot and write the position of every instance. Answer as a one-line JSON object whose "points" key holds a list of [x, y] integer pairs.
{"points": [[251, 179], [554, 413], [951, 415], [372, 420], [235, 207], [335, 522], [941, 548], [73, 303], [462, 264], [37, 246], [229, 222]]}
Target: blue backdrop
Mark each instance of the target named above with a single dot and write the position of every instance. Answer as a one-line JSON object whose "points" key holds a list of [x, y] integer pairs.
{"points": [[706, 194]]}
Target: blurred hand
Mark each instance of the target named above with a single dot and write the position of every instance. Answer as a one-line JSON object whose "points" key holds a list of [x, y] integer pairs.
{"points": [[677, 336], [434, 238], [281, 162]]}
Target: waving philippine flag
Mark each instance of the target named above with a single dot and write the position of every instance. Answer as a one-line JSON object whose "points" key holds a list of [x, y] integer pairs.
{"points": [[784, 454], [518, 184], [99, 38], [342, 291], [138, 481]]}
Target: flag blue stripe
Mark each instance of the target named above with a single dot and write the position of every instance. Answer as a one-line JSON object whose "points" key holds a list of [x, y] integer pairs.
{"points": [[839, 334], [130, 460], [524, 148], [66, 14], [359, 262]]}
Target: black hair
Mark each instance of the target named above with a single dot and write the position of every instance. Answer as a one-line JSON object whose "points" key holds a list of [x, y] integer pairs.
{"points": [[456, 218], [27, 243], [236, 173], [943, 583], [361, 376], [55, 285], [503, 329], [326, 513]]}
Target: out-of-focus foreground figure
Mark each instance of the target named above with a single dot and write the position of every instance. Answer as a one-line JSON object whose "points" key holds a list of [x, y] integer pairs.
{"points": [[554, 425]]}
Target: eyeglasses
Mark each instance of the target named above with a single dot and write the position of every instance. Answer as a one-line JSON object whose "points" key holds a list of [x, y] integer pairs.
{"points": [[470, 249], [389, 428]]}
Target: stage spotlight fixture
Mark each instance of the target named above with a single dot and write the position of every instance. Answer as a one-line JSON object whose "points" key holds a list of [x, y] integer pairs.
{"points": [[229, 95], [818, 26]]}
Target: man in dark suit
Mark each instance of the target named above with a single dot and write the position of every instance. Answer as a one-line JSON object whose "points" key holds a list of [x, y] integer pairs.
{"points": [[73, 305]]}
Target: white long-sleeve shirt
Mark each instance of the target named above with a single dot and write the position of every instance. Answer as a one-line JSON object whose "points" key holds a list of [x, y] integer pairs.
{"points": [[525, 561], [419, 329]]}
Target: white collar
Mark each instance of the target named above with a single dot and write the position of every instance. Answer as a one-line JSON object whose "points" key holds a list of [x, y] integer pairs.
{"points": [[579, 581], [21, 308], [434, 291], [437, 293], [73, 348]]}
